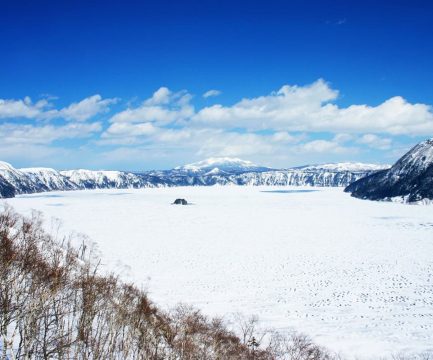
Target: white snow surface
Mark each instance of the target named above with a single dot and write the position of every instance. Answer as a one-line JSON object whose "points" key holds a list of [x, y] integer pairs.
{"points": [[355, 275]]}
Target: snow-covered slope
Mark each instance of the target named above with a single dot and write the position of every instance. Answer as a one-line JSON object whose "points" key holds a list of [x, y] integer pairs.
{"points": [[102, 179], [49, 178], [410, 178], [300, 178], [21, 181]]}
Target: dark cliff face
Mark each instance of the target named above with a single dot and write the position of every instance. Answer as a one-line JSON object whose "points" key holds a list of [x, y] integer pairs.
{"points": [[6, 189], [410, 177]]}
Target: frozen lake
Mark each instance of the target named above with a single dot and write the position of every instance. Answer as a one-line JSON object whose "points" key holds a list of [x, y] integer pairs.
{"points": [[355, 275]]}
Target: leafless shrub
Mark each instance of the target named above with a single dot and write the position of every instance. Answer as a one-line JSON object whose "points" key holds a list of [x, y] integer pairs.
{"points": [[54, 304]]}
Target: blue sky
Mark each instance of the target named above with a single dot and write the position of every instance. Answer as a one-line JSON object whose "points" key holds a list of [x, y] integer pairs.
{"points": [[139, 85]]}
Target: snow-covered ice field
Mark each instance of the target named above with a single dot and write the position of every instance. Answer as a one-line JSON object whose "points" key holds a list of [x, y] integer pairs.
{"points": [[355, 275]]}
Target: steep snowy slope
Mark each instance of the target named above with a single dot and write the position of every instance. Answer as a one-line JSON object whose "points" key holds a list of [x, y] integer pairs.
{"points": [[301, 178], [410, 178], [90, 179], [49, 178]]}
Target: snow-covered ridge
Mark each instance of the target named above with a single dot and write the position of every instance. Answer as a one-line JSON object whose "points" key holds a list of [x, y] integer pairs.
{"points": [[214, 171], [6, 166]]}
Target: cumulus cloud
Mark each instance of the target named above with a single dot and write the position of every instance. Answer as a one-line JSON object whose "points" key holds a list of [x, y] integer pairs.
{"points": [[310, 108], [22, 108], [211, 93], [291, 122], [160, 97], [342, 138], [285, 109], [11, 133], [43, 109], [85, 109], [163, 107], [280, 122], [324, 146], [375, 142]]}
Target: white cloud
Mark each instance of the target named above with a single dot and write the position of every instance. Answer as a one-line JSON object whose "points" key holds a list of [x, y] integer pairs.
{"points": [[30, 134], [123, 128], [85, 109], [211, 93], [343, 138], [160, 97], [285, 137], [163, 107], [285, 109], [43, 109], [279, 123], [324, 146], [309, 108], [21, 108], [375, 141], [296, 122]]}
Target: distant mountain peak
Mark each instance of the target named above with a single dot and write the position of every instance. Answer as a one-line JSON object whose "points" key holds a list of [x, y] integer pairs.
{"points": [[221, 164]]}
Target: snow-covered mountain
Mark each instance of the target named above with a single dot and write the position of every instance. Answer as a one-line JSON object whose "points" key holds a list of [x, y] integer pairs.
{"points": [[410, 179], [215, 171], [218, 165]]}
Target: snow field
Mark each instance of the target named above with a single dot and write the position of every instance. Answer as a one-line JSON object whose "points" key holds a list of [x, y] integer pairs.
{"points": [[355, 275]]}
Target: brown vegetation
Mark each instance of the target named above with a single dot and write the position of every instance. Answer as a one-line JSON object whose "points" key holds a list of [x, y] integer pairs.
{"points": [[55, 304]]}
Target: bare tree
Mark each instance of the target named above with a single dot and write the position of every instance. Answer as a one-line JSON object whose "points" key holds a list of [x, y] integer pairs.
{"points": [[55, 304]]}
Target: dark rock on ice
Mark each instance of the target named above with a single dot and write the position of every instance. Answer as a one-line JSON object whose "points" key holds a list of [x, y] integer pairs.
{"points": [[180, 202]]}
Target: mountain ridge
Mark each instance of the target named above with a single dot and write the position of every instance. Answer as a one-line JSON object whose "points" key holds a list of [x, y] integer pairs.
{"points": [[216, 171]]}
